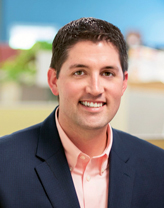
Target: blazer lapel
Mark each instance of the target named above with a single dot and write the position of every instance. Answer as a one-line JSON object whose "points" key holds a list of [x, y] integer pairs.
{"points": [[54, 172], [122, 175]]}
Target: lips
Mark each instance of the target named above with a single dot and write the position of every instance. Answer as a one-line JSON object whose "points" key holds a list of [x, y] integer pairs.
{"points": [[92, 104]]}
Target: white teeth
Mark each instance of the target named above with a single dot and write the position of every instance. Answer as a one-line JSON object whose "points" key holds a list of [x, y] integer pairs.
{"points": [[92, 105]]}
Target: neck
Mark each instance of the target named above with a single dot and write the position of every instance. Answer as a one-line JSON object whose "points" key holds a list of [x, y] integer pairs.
{"points": [[94, 145], [90, 142]]}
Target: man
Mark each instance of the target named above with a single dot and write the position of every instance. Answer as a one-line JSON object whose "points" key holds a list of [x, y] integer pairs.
{"points": [[74, 158]]}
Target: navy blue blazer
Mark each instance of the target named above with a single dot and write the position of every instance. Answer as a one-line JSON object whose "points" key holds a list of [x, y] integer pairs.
{"points": [[34, 172]]}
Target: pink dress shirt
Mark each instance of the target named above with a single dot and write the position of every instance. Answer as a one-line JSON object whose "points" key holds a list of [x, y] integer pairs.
{"points": [[90, 175]]}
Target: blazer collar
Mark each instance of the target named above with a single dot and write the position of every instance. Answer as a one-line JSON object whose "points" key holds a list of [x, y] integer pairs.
{"points": [[121, 174], [54, 172], [49, 142]]}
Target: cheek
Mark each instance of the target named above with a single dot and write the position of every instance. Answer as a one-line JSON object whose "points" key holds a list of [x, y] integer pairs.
{"points": [[114, 91], [114, 97], [67, 91]]}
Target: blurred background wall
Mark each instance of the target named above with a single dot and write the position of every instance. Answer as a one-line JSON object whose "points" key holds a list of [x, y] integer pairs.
{"points": [[146, 16], [26, 22]]}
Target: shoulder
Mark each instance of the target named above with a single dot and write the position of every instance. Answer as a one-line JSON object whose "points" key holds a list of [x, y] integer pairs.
{"points": [[133, 141], [137, 148], [20, 138], [18, 149]]}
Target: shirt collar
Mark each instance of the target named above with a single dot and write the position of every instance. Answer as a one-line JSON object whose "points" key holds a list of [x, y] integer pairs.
{"points": [[72, 152]]}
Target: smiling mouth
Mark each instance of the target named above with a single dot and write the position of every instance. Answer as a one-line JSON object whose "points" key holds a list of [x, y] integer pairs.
{"points": [[92, 104]]}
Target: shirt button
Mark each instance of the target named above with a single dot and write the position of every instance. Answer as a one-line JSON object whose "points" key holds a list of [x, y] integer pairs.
{"points": [[70, 168], [82, 157], [102, 171], [88, 178]]}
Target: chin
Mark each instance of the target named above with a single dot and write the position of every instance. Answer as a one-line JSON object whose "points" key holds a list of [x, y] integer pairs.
{"points": [[96, 126]]}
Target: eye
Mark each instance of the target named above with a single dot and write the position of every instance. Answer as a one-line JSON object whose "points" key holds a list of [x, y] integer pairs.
{"points": [[79, 73], [107, 74]]}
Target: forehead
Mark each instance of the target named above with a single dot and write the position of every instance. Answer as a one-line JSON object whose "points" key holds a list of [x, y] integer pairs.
{"points": [[88, 50], [81, 43]]}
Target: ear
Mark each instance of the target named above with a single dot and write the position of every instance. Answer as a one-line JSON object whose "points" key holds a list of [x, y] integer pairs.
{"points": [[52, 81], [125, 82]]}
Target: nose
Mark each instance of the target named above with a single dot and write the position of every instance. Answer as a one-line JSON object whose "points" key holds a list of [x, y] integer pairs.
{"points": [[95, 85]]}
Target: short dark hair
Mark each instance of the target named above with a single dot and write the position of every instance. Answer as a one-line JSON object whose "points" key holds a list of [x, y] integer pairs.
{"points": [[91, 29]]}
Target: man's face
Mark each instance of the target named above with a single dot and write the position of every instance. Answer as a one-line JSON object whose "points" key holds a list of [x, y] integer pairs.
{"points": [[90, 86]]}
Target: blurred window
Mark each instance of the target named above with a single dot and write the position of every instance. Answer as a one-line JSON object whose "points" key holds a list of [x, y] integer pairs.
{"points": [[25, 36]]}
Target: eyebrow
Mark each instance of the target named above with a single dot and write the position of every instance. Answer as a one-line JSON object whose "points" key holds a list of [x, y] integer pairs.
{"points": [[85, 66], [78, 66], [111, 67]]}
